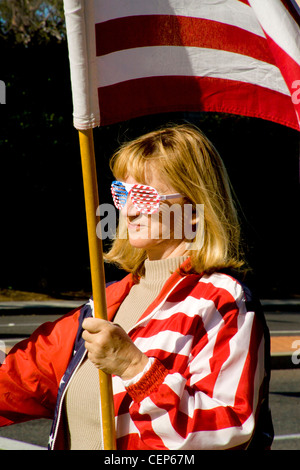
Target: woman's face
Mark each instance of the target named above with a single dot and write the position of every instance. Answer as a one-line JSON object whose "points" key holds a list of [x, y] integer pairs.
{"points": [[160, 234]]}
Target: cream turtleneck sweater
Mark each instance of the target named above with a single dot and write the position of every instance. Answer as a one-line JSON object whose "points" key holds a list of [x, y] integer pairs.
{"points": [[143, 294], [82, 408]]}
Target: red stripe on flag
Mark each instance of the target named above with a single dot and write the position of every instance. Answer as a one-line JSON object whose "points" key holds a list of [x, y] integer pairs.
{"points": [[167, 30], [134, 98]]}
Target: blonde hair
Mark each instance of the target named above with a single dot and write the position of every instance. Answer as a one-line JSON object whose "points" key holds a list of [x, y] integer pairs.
{"points": [[184, 157]]}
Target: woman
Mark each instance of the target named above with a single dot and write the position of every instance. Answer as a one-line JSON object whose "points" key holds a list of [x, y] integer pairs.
{"points": [[184, 344]]}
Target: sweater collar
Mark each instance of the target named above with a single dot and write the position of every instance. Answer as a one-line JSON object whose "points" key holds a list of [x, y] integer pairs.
{"points": [[116, 292]]}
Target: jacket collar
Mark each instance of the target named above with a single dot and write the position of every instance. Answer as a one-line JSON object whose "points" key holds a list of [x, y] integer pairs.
{"points": [[116, 293]]}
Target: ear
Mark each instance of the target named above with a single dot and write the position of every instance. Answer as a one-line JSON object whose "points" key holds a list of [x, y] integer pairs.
{"points": [[192, 217], [198, 214], [195, 231]]}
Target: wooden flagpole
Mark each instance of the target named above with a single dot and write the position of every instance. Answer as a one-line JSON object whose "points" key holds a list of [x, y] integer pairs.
{"points": [[97, 275]]}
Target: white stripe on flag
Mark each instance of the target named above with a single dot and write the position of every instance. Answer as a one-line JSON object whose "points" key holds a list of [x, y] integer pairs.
{"points": [[279, 25], [187, 61]]}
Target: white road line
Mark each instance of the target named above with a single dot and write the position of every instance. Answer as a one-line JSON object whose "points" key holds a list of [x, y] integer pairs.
{"points": [[280, 302], [11, 325], [285, 332], [286, 437], [12, 444], [9, 341], [12, 305]]}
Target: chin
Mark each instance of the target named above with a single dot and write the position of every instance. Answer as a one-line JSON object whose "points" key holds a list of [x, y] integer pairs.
{"points": [[139, 242]]}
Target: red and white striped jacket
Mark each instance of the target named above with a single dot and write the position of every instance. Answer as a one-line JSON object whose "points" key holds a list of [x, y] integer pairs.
{"points": [[206, 389]]}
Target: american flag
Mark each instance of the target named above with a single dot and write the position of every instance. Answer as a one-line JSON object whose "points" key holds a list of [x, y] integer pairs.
{"points": [[131, 58]]}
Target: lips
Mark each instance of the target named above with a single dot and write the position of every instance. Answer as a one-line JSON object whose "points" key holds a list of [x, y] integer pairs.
{"points": [[134, 227]]}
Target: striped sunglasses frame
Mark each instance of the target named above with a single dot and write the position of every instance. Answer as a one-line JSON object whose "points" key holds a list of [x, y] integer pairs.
{"points": [[144, 198]]}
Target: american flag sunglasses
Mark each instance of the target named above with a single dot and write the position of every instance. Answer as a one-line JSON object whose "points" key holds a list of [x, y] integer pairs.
{"points": [[145, 198]]}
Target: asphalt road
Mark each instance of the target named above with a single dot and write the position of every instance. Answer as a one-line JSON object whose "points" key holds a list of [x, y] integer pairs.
{"points": [[285, 408], [284, 386]]}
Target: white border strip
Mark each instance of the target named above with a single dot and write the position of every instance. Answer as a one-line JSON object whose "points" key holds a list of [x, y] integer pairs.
{"points": [[12, 444]]}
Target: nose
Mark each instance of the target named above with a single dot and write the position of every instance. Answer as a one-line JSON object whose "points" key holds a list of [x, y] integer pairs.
{"points": [[129, 210]]}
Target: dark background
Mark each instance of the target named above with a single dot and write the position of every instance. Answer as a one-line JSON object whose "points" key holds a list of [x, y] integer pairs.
{"points": [[43, 237]]}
